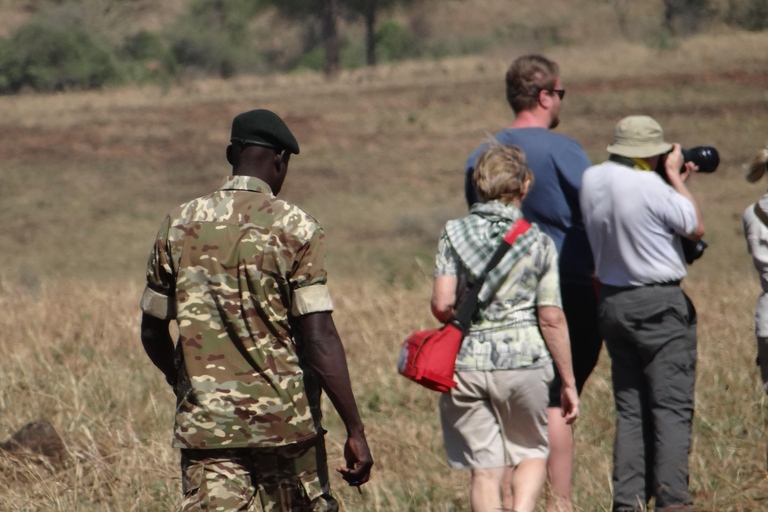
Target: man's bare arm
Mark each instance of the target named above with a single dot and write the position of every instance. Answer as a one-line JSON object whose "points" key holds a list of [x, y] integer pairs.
{"points": [[554, 329], [325, 355]]}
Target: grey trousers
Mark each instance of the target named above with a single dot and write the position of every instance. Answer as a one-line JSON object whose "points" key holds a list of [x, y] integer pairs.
{"points": [[650, 334]]}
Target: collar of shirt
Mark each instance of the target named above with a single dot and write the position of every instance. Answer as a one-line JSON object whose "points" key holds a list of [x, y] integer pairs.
{"points": [[641, 164], [248, 183]]}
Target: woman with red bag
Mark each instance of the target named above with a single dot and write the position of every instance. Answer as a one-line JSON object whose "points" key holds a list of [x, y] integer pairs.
{"points": [[496, 417]]}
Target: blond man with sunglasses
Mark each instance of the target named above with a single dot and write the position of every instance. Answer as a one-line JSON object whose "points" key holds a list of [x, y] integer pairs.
{"points": [[535, 93]]}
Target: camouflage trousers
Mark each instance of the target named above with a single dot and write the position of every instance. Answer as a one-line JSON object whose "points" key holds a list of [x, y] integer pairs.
{"points": [[291, 478]]}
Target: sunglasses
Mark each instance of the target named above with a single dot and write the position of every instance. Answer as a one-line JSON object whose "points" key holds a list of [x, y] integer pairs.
{"points": [[559, 92]]}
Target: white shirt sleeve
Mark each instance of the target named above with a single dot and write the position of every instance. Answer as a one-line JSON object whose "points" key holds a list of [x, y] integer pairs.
{"points": [[677, 212]]}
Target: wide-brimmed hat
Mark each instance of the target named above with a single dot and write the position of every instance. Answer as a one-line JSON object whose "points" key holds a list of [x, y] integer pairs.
{"points": [[638, 137]]}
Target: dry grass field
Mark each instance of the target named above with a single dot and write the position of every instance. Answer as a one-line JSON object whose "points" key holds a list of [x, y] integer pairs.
{"points": [[85, 178]]}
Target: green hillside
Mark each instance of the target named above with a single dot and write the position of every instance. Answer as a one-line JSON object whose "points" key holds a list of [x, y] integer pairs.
{"points": [[54, 45]]}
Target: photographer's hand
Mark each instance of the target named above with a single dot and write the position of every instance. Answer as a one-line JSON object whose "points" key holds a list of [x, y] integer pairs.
{"points": [[673, 165], [689, 168]]}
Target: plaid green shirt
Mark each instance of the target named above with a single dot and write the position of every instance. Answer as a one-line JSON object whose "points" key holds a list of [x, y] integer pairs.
{"points": [[505, 335], [476, 237]]}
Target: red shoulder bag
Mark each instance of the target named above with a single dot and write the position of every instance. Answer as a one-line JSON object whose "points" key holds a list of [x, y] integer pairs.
{"points": [[429, 357]]}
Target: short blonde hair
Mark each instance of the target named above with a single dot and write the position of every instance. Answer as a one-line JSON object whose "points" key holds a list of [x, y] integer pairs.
{"points": [[501, 172], [755, 170]]}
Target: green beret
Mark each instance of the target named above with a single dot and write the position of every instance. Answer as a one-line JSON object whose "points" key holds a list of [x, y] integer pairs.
{"points": [[263, 128]]}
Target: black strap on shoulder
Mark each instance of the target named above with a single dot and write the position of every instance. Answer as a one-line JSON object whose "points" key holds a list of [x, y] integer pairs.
{"points": [[466, 308], [760, 214], [622, 160]]}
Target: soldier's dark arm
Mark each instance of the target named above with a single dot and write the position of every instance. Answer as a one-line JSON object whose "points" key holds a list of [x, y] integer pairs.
{"points": [[325, 354], [157, 342]]}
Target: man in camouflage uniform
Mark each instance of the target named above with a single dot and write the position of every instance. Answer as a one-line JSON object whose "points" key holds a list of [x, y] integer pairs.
{"points": [[243, 274]]}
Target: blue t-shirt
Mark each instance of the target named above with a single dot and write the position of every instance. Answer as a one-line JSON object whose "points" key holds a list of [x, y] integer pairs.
{"points": [[557, 162]]}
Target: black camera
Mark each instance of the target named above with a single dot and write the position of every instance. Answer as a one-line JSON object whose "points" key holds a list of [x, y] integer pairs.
{"points": [[693, 249], [706, 157]]}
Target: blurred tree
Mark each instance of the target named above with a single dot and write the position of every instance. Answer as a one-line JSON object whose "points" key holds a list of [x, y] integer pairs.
{"points": [[749, 14], [620, 6], [324, 11], [369, 9], [46, 57], [214, 37], [395, 42], [683, 16], [229, 17]]}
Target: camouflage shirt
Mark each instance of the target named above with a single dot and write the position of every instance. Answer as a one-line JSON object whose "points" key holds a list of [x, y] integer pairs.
{"points": [[235, 268]]}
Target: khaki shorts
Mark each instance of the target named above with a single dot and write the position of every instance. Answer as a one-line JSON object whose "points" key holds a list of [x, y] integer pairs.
{"points": [[496, 419], [291, 478]]}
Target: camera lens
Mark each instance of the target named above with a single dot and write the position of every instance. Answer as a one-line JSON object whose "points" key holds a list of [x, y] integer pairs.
{"points": [[706, 157]]}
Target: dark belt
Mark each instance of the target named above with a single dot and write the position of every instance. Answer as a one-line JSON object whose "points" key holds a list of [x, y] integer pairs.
{"points": [[636, 287], [198, 454], [214, 453]]}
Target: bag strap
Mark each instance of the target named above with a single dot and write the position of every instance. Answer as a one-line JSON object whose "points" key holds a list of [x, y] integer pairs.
{"points": [[761, 214], [468, 304]]}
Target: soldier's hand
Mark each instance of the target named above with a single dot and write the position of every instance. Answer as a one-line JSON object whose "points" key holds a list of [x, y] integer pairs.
{"points": [[359, 461]]}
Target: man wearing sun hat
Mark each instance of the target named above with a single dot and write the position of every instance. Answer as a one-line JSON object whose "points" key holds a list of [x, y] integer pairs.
{"points": [[634, 221], [243, 275]]}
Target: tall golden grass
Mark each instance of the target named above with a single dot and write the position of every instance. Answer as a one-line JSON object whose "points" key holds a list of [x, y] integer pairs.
{"points": [[86, 178]]}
